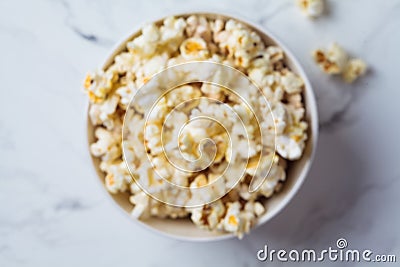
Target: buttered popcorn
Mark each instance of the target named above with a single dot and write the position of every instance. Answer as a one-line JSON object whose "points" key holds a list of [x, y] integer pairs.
{"points": [[312, 8], [335, 60], [180, 40]]}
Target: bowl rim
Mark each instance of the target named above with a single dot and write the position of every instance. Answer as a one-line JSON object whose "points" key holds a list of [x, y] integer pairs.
{"points": [[312, 109]]}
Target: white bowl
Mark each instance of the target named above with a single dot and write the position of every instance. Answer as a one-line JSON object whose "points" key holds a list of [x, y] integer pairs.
{"points": [[184, 229]]}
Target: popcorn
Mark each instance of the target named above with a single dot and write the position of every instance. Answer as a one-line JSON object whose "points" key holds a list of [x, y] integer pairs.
{"points": [[175, 61], [154, 65], [222, 142], [289, 148], [134, 188], [239, 43], [98, 84], [94, 114], [259, 209], [188, 144], [275, 175], [257, 75], [231, 222], [273, 90], [206, 189], [238, 221], [106, 145], [216, 27], [147, 43], [125, 62], [312, 8], [158, 112], [280, 117], [292, 83], [217, 211], [182, 93], [212, 91], [354, 69], [126, 93], [274, 54], [172, 33], [192, 24], [149, 179], [199, 181], [181, 178], [162, 211], [247, 220], [278, 122], [107, 109], [202, 155], [197, 216], [152, 137], [255, 162], [244, 190], [140, 200], [198, 26], [117, 178], [242, 58], [135, 138], [295, 101], [161, 167], [336, 61], [194, 49], [333, 61]]}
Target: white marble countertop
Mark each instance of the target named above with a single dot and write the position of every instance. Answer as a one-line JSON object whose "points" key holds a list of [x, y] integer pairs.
{"points": [[54, 213]]}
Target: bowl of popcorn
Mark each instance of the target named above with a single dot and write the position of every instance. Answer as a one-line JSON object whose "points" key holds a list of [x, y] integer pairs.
{"points": [[201, 126]]}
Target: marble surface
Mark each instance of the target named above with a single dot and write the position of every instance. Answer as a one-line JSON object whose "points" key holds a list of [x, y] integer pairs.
{"points": [[52, 209]]}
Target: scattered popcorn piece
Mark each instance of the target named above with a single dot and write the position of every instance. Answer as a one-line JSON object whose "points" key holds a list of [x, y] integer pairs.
{"points": [[333, 61], [354, 69], [336, 61], [312, 8]]}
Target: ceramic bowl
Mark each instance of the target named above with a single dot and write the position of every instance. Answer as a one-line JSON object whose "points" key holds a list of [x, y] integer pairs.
{"points": [[296, 172]]}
